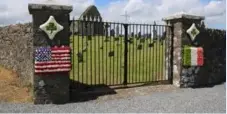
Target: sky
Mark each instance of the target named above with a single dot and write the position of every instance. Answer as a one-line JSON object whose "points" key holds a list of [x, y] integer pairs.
{"points": [[140, 11]]}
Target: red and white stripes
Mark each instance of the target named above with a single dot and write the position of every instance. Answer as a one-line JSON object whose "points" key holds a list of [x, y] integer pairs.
{"points": [[195, 57], [59, 61]]}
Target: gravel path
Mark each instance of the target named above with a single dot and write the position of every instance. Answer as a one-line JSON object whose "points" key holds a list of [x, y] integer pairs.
{"points": [[202, 100]]}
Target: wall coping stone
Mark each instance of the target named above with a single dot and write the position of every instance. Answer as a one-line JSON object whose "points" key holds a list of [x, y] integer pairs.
{"points": [[183, 16], [36, 7]]}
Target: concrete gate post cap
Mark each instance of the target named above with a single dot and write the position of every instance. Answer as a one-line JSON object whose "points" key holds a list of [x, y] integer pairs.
{"points": [[49, 7], [183, 16]]}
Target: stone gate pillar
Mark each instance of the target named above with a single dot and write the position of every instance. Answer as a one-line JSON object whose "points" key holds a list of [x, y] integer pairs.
{"points": [[50, 87], [181, 23]]}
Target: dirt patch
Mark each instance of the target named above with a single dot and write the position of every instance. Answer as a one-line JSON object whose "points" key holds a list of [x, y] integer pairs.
{"points": [[11, 89]]}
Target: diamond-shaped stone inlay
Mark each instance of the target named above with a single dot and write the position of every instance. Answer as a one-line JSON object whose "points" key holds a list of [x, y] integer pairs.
{"points": [[193, 32], [51, 27]]}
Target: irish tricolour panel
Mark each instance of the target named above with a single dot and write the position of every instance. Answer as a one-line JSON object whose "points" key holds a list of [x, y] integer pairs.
{"points": [[193, 56]]}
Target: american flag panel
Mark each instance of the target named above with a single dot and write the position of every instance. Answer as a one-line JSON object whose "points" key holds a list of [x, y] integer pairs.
{"points": [[52, 59]]}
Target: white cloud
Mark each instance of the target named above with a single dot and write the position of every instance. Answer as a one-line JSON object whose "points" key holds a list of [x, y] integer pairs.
{"points": [[147, 11], [12, 13], [140, 11]]}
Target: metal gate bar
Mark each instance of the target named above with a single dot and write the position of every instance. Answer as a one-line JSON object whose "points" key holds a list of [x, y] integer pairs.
{"points": [[112, 53]]}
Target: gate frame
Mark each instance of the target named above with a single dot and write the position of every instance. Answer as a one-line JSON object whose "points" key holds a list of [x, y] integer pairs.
{"points": [[168, 53], [125, 82], [44, 86]]}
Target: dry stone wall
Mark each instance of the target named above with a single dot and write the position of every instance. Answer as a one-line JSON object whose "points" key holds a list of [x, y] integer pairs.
{"points": [[16, 50]]}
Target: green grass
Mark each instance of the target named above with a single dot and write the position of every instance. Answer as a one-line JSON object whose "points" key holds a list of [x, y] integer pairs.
{"points": [[98, 67]]}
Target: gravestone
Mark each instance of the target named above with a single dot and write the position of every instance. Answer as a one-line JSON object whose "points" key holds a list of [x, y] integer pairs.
{"points": [[112, 32], [117, 31], [139, 35], [132, 34]]}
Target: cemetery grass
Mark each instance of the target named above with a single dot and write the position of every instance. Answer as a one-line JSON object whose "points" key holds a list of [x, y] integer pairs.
{"points": [[98, 67]]}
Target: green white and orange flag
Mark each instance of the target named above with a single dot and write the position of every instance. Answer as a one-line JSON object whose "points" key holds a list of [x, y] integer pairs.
{"points": [[193, 56]]}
